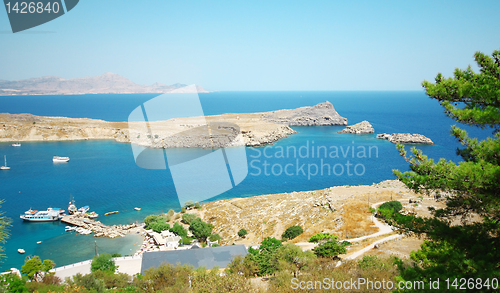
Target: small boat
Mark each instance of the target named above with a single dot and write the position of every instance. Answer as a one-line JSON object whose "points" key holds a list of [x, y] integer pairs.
{"points": [[84, 209], [16, 144], [137, 209], [5, 167], [57, 159], [38, 242], [50, 215], [92, 215], [110, 213], [21, 251], [69, 228]]}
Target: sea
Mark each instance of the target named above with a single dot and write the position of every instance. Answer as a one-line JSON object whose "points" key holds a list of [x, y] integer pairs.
{"points": [[104, 175]]}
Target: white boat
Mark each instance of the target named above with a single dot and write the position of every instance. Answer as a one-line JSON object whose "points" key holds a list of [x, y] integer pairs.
{"points": [[92, 215], [5, 167], [69, 228], [16, 144], [84, 209], [50, 215], [137, 209], [21, 251], [58, 159]]}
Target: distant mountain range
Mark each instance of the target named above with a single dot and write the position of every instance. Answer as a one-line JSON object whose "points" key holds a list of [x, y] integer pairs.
{"points": [[108, 83]]}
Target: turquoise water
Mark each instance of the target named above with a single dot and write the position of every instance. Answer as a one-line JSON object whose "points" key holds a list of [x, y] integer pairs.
{"points": [[103, 174]]}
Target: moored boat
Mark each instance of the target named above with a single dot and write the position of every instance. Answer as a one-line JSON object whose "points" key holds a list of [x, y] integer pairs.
{"points": [[21, 251], [137, 209], [50, 215], [92, 215], [5, 167], [57, 159], [16, 144]]}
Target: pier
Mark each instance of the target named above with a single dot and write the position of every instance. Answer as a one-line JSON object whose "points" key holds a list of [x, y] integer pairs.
{"points": [[99, 228]]}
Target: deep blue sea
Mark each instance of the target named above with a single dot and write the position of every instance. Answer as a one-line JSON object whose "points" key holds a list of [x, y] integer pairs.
{"points": [[103, 174]]}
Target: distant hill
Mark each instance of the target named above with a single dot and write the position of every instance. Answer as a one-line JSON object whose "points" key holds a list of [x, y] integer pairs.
{"points": [[108, 83]]}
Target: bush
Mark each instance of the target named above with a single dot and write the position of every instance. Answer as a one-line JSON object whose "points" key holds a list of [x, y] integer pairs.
{"points": [[331, 249], [242, 233], [171, 212], [188, 218], [179, 230], [177, 216], [34, 266], [186, 240], [200, 229], [394, 205], [183, 210], [197, 205], [189, 204], [215, 237], [156, 223], [103, 262], [321, 237], [292, 232]]}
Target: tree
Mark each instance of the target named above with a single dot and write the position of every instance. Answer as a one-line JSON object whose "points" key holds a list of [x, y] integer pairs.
{"points": [[197, 205], [33, 266], [103, 262], [156, 223], [393, 205], [242, 233], [331, 249], [200, 229], [322, 237], [215, 237], [189, 204], [472, 187], [188, 218], [4, 233], [179, 230], [292, 232]]}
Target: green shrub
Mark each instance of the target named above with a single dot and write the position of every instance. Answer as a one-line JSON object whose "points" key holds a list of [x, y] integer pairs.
{"points": [[322, 237], [394, 205], [292, 232], [103, 262], [331, 249], [197, 205], [179, 230], [200, 229], [186, 240], [188, 218], [171, 212], [183, 209], [242, 233], [215, 237], [189, 203]]}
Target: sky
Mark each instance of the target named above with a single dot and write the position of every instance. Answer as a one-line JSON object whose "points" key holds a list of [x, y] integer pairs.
{"points": [[256, 45]]}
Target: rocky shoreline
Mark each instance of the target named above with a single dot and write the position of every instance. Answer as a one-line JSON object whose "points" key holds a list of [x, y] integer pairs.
{"points": [[246, 129], [359, 128], [405, 138]]}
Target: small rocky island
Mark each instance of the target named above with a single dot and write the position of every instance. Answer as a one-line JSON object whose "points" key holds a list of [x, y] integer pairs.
{"points": [[246, 129], [405, 138], [359, 128]]}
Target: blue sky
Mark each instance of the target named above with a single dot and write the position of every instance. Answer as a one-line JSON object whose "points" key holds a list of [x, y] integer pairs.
{"points": [[257, 45]]}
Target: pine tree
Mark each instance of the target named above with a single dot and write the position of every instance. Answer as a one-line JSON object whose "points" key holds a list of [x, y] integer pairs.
{"points": [[470, 249]]}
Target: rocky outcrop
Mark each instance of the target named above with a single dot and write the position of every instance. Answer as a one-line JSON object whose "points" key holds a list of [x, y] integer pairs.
{"points": [[359, 128], [405, 138], [318, 115]]}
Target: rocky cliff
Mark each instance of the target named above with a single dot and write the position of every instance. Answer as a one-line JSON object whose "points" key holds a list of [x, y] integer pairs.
{"points": [[249, 129], [405, 138], [359, 128]]}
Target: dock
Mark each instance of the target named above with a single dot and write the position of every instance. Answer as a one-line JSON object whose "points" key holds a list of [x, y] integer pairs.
{"points": [[99, 228]]}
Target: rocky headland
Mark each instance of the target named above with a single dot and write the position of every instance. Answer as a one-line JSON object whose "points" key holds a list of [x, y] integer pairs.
{"points": [[359, 128], [246, 129], [405, 138]]}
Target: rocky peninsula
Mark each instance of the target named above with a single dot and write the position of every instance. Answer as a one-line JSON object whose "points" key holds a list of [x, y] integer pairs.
{"points": [[405, 138], [359, 128], [246, 129]]}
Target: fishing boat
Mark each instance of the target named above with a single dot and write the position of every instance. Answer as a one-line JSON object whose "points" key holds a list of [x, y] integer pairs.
{"points": [[137, 209], [5, 167], [110, 213], [16, 144], [57, 159], [50, 215]]}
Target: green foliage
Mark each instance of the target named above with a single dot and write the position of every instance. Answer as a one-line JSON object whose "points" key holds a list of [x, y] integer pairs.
{"points": [[156, 223], [103, 262], [242, 233], [370, 262], [89, 282], [12, 283], [171, 212], [215, 237], [33, 266], [186, 240], [197, 205], [4, 232], [331, 249], [179, 230], [320, 237], [292, 232], [189, 204], [472, 186], [394, 205], [200, 229], [188, 218]]}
